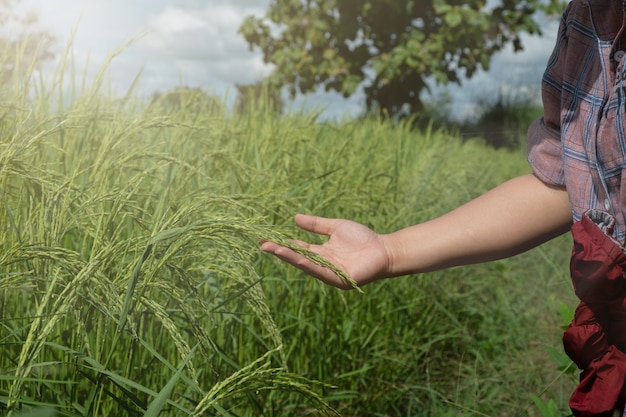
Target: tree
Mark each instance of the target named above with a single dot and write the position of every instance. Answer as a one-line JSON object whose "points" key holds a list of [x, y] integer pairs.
{"points": [[390, 48], [23, 46]]}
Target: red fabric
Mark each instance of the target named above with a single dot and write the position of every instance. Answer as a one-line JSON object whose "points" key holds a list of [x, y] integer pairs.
{"points": [[585, 340], [597, 264], [617, 323], [597, 335], [601, 387]]}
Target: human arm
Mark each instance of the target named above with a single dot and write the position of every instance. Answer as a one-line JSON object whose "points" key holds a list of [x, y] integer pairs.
{"points": [[516, 216]]}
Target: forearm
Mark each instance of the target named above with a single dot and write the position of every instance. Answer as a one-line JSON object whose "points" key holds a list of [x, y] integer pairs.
{"points": [[512, 218]]}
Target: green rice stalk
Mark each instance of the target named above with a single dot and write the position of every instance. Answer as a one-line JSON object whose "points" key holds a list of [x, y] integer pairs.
{"points": [[156, 406], [258, 375]]}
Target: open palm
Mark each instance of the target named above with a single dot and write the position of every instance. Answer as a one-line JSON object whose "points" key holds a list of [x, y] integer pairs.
{"points": [[353, 248]]}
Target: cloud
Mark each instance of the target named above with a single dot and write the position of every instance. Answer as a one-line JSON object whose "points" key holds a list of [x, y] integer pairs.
{"points": [[189, 42], [203, 42], [185, 34]]}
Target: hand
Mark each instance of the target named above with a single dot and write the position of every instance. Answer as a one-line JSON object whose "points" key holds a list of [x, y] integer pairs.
{"points": [[353, 248]]}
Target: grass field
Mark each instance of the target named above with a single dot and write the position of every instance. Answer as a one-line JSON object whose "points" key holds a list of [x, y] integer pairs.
{"points": [[131, 282]]}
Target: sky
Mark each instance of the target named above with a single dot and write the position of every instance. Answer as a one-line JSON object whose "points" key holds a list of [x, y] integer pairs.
{"points": [[195, 43]]}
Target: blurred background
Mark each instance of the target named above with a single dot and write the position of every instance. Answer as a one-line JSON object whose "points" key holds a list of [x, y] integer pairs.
{"points": [[198, 44]]}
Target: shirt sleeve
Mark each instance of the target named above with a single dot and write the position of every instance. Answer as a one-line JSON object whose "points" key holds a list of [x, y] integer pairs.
{"points": [[545, 152]]}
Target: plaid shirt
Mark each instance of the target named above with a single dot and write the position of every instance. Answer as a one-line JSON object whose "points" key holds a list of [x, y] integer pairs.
{"points": [[584, 122]]}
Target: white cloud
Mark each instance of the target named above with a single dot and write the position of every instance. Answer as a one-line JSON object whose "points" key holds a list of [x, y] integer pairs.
{"points": [[203, 45], [210, 33], [190, 42]]}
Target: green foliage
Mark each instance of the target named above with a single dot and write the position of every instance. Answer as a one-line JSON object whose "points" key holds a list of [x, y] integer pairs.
{"points": [[390, 48], [252, 97], [185, 99], [546, 409], [501, 122], [37, 412], [120, 252], [504, 123], [131, 282]]}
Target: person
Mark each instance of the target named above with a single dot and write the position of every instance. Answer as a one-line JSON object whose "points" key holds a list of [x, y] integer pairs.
{"points": [[577, 152]]}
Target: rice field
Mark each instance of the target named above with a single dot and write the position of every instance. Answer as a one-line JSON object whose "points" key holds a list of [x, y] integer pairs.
{"points": [[131, 283]]}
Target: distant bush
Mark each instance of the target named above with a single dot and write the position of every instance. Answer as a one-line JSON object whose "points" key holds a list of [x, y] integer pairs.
{"points": [[504, 123], [501, 122], [185, 99]]}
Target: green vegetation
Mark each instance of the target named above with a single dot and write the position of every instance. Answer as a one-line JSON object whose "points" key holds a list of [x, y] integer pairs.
{"points": [[131, 282], [501, 121]]}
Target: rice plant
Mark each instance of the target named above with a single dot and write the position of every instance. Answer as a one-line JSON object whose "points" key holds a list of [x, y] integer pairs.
{"points": [[131, 282]]}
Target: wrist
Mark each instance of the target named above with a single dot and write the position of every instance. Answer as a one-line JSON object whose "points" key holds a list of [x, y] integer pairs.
{"points": [[394, 255]]}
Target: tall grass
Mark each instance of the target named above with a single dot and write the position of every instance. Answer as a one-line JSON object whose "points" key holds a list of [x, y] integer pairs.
{"points": [[131, 282]]}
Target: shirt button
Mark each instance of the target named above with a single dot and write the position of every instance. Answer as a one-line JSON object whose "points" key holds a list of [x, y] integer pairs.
{"points": [[607, 204], [619, 55]]}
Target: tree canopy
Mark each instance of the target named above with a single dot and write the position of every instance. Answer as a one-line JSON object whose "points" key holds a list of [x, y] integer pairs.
{"points": [[391, 48]]}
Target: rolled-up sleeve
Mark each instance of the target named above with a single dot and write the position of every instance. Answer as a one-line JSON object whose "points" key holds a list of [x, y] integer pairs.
{"points": [[545, 151]]}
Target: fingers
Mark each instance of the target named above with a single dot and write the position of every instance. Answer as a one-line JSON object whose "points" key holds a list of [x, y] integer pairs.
{"points": [[271, 247], [316, 224], [301, 262], [285, 253]]}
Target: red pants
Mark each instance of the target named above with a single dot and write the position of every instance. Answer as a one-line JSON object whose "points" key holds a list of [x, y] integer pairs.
{"points": [[596, 339]]}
